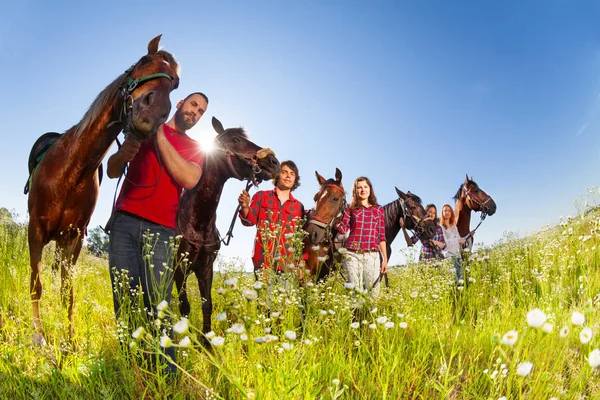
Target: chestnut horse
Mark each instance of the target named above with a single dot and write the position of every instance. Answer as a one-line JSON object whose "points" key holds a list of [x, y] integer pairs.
{"points": [[233, 156], [64, 186], [330, 203], [470, 197]]}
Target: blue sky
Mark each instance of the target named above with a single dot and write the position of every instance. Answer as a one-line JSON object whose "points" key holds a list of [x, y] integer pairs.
{"points": [[411, 94]]}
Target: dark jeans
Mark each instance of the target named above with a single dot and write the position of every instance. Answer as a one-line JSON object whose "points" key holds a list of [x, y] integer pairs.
{"points": [[130, 249]]}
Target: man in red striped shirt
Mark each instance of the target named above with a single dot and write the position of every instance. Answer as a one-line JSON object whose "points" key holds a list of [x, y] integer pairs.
{"points": [[276, 212]]}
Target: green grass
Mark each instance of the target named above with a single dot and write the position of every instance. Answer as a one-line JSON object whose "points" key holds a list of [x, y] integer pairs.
{"points": [[451, 346]]}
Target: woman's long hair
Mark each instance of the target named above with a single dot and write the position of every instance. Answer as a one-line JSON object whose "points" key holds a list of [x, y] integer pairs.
{"points": [[356, 200], [447, 223]]}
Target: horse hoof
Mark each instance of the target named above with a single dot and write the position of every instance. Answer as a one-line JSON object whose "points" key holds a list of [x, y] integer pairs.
{"points": [[38, 339]]}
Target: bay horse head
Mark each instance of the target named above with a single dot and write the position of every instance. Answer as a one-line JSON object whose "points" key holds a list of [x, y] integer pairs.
{"points": [[330, 203], [245, 159], [415, 216], [144, 92], [474, 198]]}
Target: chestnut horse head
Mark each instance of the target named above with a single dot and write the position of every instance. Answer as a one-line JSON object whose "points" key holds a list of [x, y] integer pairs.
{"points": [[474, 198], [330, 203], [145, 91], [470, 197], [137, 102]]}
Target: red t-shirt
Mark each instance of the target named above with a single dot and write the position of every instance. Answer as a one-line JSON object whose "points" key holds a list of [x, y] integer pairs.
{"points": [[156, 198]]}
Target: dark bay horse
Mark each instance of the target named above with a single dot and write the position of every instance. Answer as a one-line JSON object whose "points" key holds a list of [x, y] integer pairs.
{"points": [[409, 207], [470, 197], [233, 156], [64, 186], [330, 203]]}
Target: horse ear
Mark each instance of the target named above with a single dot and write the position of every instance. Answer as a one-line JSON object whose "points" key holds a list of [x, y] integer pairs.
{"points": [[218, 126], [467, 179], [320, 179], [153, 45], [400, 193], [338, 176]]}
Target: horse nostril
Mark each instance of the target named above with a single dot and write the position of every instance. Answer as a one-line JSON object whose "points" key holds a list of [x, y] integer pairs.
{"points": [[148, 98]]}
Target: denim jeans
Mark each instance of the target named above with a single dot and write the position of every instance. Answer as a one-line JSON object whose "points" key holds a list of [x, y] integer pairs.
{"points": [[131, 238]]}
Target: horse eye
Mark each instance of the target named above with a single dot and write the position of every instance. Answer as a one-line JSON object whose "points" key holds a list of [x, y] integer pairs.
{"points": [[335, 198], [236, 140], [144, 60]]}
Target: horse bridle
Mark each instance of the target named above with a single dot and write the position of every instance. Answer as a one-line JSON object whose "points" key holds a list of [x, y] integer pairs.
{"points": [[481, 204], [251, 161], [417, 222], [328, 227]]}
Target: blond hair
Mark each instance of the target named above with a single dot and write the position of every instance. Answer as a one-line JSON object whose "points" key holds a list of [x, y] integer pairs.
{"points": [[447, 223]]}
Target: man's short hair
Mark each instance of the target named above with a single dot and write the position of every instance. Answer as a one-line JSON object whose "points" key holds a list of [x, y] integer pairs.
{"points": [[291, 165], [198, 93]]}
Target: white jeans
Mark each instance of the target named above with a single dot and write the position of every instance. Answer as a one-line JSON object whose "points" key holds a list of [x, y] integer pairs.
{"points": [[363, 270]]}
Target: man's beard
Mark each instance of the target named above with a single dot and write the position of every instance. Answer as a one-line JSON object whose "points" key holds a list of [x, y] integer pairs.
{"points": [[181, 122]]}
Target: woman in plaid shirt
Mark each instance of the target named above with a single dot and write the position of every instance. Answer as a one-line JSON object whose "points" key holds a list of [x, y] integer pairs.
{"points": [[364, 220]]}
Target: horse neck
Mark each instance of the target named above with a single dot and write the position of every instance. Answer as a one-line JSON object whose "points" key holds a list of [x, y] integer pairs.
{"points": [[392, 213], [89, 140], [216, 173], [463, 217]]}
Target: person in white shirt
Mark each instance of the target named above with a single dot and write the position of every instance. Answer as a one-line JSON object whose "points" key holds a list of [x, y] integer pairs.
{"points": [[453, 239]]}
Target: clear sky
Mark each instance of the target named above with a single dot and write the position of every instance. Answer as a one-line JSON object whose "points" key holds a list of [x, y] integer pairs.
{"points": [[413, 94]]}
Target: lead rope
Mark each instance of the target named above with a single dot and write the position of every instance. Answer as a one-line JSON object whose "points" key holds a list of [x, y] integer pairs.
{"points": [[229, 233]]}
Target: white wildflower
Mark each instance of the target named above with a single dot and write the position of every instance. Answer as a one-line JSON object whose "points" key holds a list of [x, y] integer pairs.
{"points": [[165, 341], [290, 335], [221, 317], [594, 358], [524, 368], [217, 341], [510, 338], [586, 335], [577, 318], [536, 318], [163, 305], [182, 326], [238, 328]]}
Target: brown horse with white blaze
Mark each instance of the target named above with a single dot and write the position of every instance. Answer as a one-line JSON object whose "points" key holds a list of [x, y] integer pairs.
{"points": [[330, 203], [64, 186]]}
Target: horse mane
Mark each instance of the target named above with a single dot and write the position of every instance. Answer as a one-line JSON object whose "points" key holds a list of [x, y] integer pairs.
{"points": [[235, 131], [108, 95], [458, 192]]}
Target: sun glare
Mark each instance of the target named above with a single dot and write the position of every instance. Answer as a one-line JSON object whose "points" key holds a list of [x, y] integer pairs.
{"points": [[205, 138]]}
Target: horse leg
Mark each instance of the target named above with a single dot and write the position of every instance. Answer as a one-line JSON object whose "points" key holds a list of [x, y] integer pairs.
{"points": [[203, 269], [36, 245], [182, 269], [71, 254]]}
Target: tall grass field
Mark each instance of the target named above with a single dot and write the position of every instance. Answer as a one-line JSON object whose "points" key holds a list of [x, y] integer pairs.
{"points": [[523, 325]]}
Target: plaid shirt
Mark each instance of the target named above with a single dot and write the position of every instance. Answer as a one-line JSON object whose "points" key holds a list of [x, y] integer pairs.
{"points": [[428, 251], [267, 213], [366, 226]]}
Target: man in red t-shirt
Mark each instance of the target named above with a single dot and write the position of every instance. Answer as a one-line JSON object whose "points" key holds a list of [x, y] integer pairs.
{"points": [[160, 167], [269, 210]]}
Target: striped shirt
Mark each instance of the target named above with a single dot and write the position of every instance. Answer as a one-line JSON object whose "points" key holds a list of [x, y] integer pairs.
{"points": [[366, 226]]}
